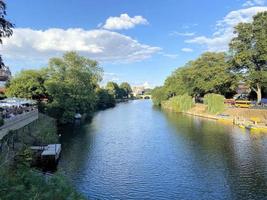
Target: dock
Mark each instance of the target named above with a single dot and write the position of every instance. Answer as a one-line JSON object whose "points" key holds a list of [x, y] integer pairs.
{"points": [[52, 150], [46, 157]]}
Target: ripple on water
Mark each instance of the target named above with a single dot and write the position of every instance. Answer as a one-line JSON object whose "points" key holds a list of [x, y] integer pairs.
{"points": [[134, 151]]}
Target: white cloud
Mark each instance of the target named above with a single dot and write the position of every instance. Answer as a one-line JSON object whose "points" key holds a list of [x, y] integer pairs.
{"points": [[124, 21], [185, 34], [224, 29], [187, 50], [102, 45], [250, 3], [107, 76], [147, 85], [168, 55]]}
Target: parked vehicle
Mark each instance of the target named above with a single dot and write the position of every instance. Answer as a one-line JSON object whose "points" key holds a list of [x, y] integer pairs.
{"points": [[243, 104]]}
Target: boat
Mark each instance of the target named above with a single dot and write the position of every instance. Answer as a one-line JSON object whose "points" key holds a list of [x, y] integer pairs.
{"points": [[78, 116]]}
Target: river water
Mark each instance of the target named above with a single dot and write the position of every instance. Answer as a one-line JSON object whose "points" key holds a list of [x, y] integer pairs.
{"points": [[135, 151]]}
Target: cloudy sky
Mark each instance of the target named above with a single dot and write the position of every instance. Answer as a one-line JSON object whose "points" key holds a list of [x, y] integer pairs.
{"points": [[140, 41]]}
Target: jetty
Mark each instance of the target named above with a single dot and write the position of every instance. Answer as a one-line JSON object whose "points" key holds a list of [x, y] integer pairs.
{"points": [[46, 157]]}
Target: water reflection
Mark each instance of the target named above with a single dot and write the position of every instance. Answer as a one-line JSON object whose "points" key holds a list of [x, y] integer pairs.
{"points": [[135, 151], [239, 155]]}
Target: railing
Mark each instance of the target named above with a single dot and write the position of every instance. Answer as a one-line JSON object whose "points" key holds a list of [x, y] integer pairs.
{"points": [[18, 121]]}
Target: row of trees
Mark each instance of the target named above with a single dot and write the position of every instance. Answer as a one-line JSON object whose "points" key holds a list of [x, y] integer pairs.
{"points": [[107, 96], [220, 73], [121, 91], [67, 86]]}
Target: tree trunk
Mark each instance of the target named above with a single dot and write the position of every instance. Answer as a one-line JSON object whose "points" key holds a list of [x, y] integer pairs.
{"points": [[258, 94]]}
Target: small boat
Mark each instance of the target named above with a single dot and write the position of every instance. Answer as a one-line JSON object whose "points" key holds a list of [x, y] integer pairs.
{"points": [[78, 116]]}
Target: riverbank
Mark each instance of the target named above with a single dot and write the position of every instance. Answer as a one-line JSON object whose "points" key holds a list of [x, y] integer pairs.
{"points": [[252, 119]]}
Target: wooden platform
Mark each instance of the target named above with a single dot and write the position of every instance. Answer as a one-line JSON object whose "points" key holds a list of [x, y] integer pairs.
{"points": [[52, 150]]}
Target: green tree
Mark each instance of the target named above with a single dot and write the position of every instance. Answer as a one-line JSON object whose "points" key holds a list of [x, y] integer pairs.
{"points": [[210, 73], [248, 53], [71, 86], [104, 99], [126, 89], [5, 27], [177, 83], [28, 84], [114, 89], [159, 95]]}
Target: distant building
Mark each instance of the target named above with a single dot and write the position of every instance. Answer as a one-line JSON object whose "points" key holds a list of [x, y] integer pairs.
{"points": [[138, 90]]}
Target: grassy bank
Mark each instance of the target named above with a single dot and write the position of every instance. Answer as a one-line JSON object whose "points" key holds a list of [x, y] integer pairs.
{"points": [[254, 119]]}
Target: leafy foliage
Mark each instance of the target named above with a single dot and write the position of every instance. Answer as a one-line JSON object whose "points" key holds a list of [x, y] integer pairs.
{"points": [[71, 85], [105, 100], [180, 103], [28, 84], [126, 89], [23, 183], [215, 103], [248, 52], [5, 27], [114, 90], [159, 95], [209, 73]]}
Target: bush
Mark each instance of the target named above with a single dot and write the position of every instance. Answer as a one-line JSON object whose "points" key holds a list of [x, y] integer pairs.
{"points": [[24, 183], [215, 103], [19, 181], [158, 95], [181, 103]]}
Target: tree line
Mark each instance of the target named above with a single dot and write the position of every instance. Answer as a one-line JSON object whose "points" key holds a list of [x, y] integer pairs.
{"points": [[220, 72], [67, 86]]}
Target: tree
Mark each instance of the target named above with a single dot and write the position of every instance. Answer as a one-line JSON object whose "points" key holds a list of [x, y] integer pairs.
{"points": [[158, 95], [126, 89], [5, 27], [28, 84], [176, 84], [248, 53], [210, 73], [71, 85], [113, 89], [104, 99]]}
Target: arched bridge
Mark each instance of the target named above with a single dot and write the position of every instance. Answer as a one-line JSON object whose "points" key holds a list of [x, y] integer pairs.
{"points": [[145, 96]]}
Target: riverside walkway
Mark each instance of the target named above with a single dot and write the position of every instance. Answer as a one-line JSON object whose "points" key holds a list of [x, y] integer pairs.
{"points": [[17, 122]]}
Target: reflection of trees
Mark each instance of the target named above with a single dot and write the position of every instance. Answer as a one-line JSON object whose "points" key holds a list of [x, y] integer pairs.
{"points": [[76, 143], [220, 148]]}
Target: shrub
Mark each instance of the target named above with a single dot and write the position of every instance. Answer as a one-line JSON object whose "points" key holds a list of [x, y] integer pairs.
{"points": [[215, 103], [181, 103], [158, 95]]}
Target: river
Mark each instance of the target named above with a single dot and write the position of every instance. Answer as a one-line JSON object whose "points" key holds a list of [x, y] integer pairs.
{"points": [[136, 151]]}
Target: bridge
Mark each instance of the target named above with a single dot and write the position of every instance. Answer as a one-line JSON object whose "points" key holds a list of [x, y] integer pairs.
{"points": [[145, 96]]}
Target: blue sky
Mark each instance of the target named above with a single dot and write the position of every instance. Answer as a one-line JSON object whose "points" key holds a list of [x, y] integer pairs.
{"points": [[140, 41]]}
